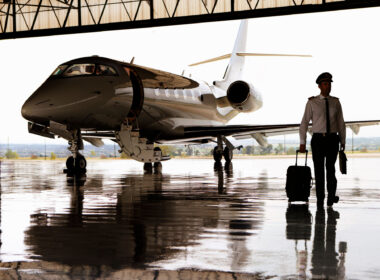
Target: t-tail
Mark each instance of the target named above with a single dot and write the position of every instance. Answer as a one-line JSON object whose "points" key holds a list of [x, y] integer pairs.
{"points": [[240, 94], [234, 70]]}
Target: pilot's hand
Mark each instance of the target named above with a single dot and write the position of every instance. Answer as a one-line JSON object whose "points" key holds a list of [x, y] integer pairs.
{"points": [[342, 147], [302, 148]]}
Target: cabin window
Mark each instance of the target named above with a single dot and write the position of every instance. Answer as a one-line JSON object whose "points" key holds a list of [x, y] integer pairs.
{"points": [[157, 91], [167, 92], [176, 95]]}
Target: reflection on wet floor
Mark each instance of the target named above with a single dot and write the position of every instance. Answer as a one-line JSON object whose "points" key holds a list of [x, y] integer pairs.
{"points": [[324, 259], [226, 218]]}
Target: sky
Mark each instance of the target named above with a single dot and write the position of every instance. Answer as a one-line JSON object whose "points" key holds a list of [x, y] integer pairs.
{"points": [[344, 43]]}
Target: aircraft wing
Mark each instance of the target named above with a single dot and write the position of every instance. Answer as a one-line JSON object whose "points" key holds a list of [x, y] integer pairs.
{"points": [[259, 132], [195, 134]]}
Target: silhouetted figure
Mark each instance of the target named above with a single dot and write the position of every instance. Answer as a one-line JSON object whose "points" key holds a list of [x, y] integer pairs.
{"points": [[329, 130]]}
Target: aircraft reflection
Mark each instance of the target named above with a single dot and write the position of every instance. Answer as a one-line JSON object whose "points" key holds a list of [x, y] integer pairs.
{"points": [[149, 218], [324, 259], [218, 169], [239, 226]]}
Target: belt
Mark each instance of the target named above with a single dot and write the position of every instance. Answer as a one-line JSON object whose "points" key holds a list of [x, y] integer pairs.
{"points": [[324, 134]]}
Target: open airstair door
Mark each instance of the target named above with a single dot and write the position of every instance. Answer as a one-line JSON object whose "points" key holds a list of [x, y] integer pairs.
{"points": [[138, 96]]}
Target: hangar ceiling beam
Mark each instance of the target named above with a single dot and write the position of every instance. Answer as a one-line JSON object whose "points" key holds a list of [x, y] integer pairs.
{"points": [[32, 18]]}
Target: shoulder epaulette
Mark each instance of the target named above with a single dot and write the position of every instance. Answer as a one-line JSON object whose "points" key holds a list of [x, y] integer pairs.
{"points": [[311, 97]]}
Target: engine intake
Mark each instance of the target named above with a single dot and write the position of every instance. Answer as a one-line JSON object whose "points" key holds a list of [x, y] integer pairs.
{"points": [[242, 97]]}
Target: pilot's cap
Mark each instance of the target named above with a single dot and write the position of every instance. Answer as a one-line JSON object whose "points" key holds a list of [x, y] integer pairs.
{"points": [[326, 76]]}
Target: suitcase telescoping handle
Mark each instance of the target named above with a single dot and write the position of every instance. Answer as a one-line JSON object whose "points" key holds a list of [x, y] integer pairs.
{"points": [[305, 157]]}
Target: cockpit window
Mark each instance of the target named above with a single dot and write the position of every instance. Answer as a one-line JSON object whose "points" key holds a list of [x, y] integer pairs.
{"points": [[59, 70], [79, 70], [85, 69]]}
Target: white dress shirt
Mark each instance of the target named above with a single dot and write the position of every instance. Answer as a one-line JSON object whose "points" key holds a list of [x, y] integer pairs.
{"points": [[316, 112]]}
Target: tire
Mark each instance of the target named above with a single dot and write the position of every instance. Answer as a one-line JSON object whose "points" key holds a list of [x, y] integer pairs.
{"points": [[80, 162], [70, 163], [148, 167]]}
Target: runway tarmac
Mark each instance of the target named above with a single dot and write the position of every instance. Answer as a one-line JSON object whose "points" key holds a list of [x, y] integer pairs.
{"points": [[192, 221]]}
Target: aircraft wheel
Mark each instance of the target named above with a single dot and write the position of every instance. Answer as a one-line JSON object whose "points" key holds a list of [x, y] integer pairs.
{"points": [[227, 153], [147, 167], [157, 167], [80, 163], [217, 155], [70, 163]]}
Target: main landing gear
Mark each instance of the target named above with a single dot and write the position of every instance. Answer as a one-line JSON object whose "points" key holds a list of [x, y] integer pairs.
{"points": [[155, 167], [75, 164], [218, 152]]}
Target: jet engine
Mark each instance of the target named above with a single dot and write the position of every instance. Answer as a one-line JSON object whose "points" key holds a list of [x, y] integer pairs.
{"points": [[243, 97]]}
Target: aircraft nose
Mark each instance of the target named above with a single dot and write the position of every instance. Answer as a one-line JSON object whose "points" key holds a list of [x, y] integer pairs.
{"points": [[27, 110], [32, 111]]}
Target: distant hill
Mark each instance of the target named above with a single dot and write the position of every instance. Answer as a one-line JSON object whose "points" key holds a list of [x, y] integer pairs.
{"points": [[109, 150]]}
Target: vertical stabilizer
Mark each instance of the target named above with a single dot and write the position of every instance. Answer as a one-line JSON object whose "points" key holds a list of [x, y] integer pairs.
{"points": [[235, 66]]}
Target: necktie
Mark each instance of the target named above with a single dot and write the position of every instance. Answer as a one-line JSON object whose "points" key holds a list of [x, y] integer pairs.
{"points": [[327, 116]]}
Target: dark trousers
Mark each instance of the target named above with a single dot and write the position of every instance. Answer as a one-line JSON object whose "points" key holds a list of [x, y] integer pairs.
{"points": [[325, 151]]}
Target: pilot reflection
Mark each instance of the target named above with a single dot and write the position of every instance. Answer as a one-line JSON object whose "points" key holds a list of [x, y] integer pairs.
{"points": [[324, 259]]}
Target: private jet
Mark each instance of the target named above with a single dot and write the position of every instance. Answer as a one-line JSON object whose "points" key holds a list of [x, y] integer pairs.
{"points": [[95, 98]]}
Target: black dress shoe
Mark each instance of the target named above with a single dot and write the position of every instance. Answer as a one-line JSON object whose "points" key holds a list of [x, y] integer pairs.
{"points": [[331, 201]]}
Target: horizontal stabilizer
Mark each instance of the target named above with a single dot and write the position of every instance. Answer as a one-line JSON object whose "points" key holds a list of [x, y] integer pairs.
{"points": [[247, 54]]}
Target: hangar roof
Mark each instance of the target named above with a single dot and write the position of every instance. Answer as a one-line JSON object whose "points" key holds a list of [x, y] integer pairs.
{"points": [[30, 18]]}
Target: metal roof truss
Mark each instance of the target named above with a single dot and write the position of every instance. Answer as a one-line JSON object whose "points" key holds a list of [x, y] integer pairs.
{"points": [[30, 18]]}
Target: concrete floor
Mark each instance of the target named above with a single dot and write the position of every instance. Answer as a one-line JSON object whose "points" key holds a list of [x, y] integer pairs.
{"points": [[192, 221]]}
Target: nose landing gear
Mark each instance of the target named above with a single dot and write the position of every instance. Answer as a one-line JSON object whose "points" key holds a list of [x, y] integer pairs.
{"points": [[76, 164]]}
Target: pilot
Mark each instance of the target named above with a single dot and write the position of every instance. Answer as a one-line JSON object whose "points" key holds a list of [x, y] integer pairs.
{"points": [[329, 130]]}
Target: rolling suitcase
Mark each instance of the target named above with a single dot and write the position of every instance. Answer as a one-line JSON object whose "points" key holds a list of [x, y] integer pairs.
{"points": [[298, 181]]}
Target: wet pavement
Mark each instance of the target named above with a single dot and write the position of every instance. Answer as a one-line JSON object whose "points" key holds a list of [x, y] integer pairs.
{"points": [[193, 220]]}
